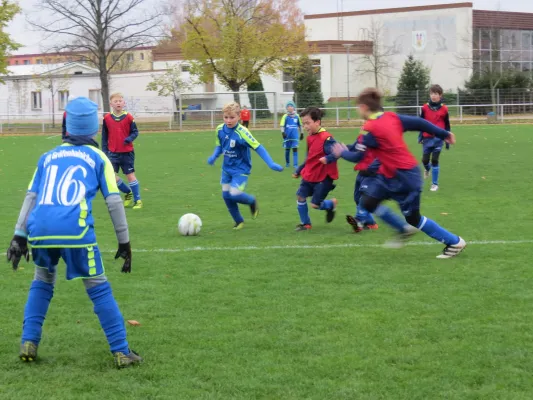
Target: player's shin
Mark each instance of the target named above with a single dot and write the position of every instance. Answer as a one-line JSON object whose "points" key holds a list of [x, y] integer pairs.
{"points": [[233, 208], [303, 211], [390, 218], [39, 298], [435, 231]]}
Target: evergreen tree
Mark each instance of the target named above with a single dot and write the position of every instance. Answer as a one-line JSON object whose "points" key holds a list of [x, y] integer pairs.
{"points": [[307, 90], [414, 77], [258, 101]]}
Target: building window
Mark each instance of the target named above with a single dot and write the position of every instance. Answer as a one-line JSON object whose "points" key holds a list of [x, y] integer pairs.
{"points": [[288, 82], [185, 68], [36, 101], [26, 62], [142, 56], [95, 96], [39, 61], [115, 59], [130, 57], [63, 99]]}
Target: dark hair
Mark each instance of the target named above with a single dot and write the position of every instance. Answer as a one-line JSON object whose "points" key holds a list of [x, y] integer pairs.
{"points": [[313, 112], [371, 97], [436, 89]]}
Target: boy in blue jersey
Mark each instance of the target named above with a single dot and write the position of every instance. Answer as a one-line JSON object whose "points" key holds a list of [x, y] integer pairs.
{"points": [[234, 142], [56, 219], [291, 131]]}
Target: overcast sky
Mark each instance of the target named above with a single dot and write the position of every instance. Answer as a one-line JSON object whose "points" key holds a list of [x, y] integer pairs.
{"points": [[32, 41]]}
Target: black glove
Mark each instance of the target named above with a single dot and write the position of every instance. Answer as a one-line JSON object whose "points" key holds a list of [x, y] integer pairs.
{"points": [[284, 136], [301, 136], [124, 251], [18, 248], [447, 146]]}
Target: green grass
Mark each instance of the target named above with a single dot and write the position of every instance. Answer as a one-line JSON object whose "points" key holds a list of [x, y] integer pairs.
{"points": [[315, 323]]}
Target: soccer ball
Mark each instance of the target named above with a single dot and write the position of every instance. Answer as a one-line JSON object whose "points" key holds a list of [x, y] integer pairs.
{"points": [[189, 225]]}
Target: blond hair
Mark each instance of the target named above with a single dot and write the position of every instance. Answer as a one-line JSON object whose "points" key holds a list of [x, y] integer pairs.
{"points": [[113, 95], [232, 107]]}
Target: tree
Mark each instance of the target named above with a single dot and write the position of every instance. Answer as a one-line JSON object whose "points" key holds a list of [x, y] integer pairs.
{"points": [[258, 101], [98, 28], [415, 77], [378, 62], [8, 11], [307, 90], [169, 84], [238, 40], [54, 84]]}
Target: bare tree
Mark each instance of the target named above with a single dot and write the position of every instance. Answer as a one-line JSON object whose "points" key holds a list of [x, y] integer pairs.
{"points": [[98, 28], [377, 63], [54, 83]]}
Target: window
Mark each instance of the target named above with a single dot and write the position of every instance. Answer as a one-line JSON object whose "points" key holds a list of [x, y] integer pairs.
{"points": [[63, 99], [36, 101], [288, 82], [115, 58], [142, 56], [95, 96], [185, 68], [510, 40], [26, 62], [39, 61], [131, 58]]}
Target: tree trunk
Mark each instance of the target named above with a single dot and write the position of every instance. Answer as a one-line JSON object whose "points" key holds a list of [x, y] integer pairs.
{"points": [[53, 111], [235, 88], [104, 82], [376, 80]]}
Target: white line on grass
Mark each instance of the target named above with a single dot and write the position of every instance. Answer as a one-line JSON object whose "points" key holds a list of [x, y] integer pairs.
{"points": [[54, 136], [315, 246]]}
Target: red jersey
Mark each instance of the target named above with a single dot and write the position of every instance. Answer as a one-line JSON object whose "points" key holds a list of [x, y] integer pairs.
{"points": [[437, 115], [368, 159], [245, 115], [118, 133], [392, 152], [314, 171]]}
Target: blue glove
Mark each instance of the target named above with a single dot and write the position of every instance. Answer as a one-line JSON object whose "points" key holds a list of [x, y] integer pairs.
{"points": [[276, 167], [218, 151], [211, 160], [127, 141], [261, 151]]}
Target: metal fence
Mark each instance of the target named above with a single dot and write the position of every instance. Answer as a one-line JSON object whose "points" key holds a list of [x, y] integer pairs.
{"points": [[204, 111]]}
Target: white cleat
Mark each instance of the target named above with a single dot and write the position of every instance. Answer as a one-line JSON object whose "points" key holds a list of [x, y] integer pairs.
{"points": [[453, 250], [402, 238], [426, 174], [434, 188]]}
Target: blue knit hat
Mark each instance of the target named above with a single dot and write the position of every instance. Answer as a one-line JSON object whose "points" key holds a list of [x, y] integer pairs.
{"points": [[82, 117], [290, 103]]}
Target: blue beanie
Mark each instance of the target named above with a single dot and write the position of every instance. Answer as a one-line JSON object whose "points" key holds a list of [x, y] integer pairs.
{"points": [[290, 103], [82, 117]]}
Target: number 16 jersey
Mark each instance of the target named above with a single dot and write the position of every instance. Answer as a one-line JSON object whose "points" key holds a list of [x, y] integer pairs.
{"points": [[66, 181]]}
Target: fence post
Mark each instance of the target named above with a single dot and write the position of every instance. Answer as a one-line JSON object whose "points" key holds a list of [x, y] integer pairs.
{"points": [[253, 117], [337, 112], [43, 126], [275, 108], [501, 114], [212, 119], [180, 105], [417, 98], [498, 96], [170, 121], [461, 113]]}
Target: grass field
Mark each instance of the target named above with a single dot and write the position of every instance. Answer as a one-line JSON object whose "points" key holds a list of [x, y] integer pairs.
{"points": [[324, 314]]}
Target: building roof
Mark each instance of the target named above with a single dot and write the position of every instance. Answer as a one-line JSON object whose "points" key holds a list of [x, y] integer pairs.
{"points": [[391, 10], [69, 53], [502, 20], [39, 69]]}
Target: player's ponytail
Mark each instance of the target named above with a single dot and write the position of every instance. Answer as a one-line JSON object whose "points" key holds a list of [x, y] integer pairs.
{"points": [[372, 98]]}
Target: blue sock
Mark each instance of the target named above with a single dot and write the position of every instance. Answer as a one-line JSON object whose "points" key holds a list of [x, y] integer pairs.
{"points": [[35, 311], [123, 187], [111, 320], [434, 230], [134, 186], [390, 218], [233, 208], [364, 216], [288, 156], [295, 159], [327, 205], [427, 167], [303, 210], [243, 198], [435, 173]]}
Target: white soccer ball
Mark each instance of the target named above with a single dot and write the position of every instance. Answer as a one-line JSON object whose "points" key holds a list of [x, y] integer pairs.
{"points": [[189, 225]]}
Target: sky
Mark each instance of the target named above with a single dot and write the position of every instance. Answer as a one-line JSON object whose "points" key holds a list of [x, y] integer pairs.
{"points": [[33, 41]]}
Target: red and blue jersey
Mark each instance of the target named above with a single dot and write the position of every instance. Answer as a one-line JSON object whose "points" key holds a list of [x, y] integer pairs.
{"points": [[437, 114], [318, 146], [118, 133]]}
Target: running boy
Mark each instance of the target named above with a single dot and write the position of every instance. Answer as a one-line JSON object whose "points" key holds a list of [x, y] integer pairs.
{"points": [[318, 171], [56, 219], [118, 133], [436, 113], [234, 141], [291, 131]]}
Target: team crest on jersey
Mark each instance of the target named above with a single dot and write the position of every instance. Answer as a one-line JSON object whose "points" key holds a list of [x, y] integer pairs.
{"points": [[419, 40], [232, 143]]}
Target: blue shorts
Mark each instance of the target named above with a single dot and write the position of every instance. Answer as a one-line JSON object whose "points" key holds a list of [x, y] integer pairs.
{"points": [[85, 262], [317, 191], [237, 181], [124, 161], [405, 188], [432, 145], [357, 190], [291, 142]]}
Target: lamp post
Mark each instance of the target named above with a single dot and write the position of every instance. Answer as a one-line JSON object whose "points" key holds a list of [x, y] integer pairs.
{"points": [[348, 46]]}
